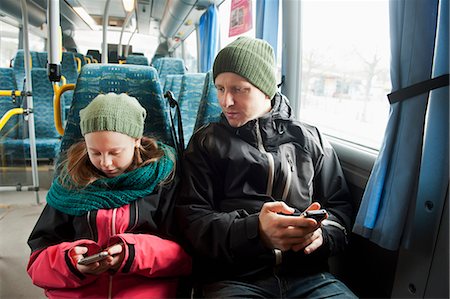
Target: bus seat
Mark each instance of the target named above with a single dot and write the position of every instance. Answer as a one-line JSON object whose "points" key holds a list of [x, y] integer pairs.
{"points": [[94, 54], [38, 60], [137, 59], [189, 100], [47, 138], [69, 70], [13, 127], [90, 58], [169, 65], [138, 81], [209, 109], [81, 56], [173, 83], [19, 68], [43, 58]]}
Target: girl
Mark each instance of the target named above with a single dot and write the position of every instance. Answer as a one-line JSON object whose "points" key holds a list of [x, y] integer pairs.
{"points": [[114, 195]]}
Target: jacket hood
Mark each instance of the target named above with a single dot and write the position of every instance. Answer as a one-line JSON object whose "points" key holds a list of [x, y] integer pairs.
{"points": [[281, 108]]}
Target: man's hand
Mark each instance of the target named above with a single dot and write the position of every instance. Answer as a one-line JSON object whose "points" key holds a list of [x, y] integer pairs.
{"points": [[289, 232]]}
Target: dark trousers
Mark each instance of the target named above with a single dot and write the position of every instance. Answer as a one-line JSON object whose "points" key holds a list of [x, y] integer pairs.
{"points": [[322, 285]]}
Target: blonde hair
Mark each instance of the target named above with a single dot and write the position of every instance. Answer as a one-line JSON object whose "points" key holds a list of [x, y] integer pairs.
{"points": [[78, 167]]}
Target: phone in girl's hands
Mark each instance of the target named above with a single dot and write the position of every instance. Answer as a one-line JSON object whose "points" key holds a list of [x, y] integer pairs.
{"points": [[93, 258]]}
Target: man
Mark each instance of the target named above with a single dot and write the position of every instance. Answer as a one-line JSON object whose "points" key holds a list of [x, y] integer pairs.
{"points": [[243, 179]]}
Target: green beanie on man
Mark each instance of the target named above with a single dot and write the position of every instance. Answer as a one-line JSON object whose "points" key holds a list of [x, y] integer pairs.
{"points": [[113, 112], [252, 59]]}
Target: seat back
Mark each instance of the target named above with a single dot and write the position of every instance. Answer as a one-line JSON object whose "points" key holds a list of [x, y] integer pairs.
{"points": [[173, 83], [209, 109], [12, 129], [138, 81], [81, 57], [189, 100], [169, 66], [19, 68], [137, 59]]}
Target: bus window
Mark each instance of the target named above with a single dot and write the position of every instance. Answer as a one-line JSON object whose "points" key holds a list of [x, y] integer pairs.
{"points": [[9, 39], [190, 52], [345, 69]]}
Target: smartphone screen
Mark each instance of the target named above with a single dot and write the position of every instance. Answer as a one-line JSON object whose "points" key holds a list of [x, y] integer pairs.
{"points": [[93, 258]]}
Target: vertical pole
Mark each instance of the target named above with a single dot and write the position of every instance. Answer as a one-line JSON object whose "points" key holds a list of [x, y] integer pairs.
{"points": [[28, 90], [292, 59], [54, 48], [105, 33]]}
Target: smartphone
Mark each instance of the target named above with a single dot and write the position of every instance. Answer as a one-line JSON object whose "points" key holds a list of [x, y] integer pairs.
{"points": [[317, 215], [93, 258]]}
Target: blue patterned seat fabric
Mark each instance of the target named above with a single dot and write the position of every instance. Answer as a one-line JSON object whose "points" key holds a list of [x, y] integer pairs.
{"points": [[47, 138], [14, 126], [189, 100], [19, 69], [137, 59], [81, 56], [138, 81], [173, 83], [209, 109], [90, 57], [169, 66], [38, 60], [70, 72]]}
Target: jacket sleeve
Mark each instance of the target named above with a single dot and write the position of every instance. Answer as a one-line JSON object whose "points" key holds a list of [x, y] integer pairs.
{"points": [[225, 236], [330, 189], [50, 265], [152, 256]]}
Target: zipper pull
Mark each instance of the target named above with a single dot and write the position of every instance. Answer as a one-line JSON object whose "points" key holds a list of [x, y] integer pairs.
{"points": [[291, 163]]}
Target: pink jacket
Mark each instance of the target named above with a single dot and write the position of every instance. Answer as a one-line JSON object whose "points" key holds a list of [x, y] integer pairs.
{"points": [[151, 267]]}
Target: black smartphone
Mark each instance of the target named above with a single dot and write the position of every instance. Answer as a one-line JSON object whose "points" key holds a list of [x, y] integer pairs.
{"points": [[317, 215], [93, 258]]}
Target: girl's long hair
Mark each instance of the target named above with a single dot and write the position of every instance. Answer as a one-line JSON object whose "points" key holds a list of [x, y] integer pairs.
{"points": [[78, 167]]}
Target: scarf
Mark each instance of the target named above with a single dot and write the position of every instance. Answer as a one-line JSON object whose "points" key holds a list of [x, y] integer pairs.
{"points": [[109, 193]]}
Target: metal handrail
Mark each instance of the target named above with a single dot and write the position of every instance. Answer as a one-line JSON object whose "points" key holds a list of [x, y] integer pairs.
{"points": [[59, 90]]}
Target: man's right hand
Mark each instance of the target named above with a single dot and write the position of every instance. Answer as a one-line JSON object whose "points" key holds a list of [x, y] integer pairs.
{"points": [[287, 232]]}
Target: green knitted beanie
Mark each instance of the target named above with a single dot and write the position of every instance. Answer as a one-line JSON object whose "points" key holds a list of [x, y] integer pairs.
{"points": [[113, 112], [250, 58]]}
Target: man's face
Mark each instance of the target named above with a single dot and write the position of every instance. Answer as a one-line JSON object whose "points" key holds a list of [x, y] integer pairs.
{"points": [[240, 100]]}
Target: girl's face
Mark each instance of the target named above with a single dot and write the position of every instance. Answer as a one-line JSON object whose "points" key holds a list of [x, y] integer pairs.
{"points": [[111, 152]]}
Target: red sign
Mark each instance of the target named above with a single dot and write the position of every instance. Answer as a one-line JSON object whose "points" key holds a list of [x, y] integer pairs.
{"points": [[240, 17]]}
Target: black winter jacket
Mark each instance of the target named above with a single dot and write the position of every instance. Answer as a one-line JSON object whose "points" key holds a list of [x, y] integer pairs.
{"points": [[229, 173]]}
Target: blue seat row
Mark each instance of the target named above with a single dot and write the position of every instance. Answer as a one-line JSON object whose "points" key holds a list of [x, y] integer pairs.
{"points": [[195, 92], [169, 66], [197, 99], [47, 138], [138, 81]]}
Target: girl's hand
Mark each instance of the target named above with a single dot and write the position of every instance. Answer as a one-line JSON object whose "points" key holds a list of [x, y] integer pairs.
{"points": [[95, 268], [117, 254]]}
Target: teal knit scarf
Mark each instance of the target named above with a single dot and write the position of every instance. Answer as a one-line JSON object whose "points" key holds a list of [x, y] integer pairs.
{"points": [[108, 193]]}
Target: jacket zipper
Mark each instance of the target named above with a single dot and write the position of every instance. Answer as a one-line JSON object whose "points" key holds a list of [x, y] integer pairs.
{"points": [[113, 233], [287, 185], [269, 158]]}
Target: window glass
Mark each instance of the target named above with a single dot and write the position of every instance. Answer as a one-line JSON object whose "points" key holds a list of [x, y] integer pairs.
{"points": [[345, 68], [190, 52], [9, 43]]}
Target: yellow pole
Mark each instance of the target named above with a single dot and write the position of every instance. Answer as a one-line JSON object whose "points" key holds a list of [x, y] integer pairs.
{"points": [[8, 115]]}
